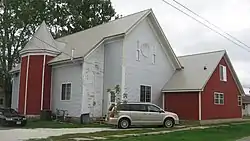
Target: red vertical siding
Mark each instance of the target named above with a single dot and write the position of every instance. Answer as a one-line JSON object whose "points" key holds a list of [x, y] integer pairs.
{"points": [[230, 109], [186, 104], [21, 99], [34, 85], [47, 84]]}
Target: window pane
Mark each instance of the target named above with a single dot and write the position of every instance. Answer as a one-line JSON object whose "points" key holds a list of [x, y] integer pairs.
{"points": [[217, 96], [148, 94], [221, 101], [221, 96], [216, 101], [221, 72], [138, 107], [68, 95], [68, 92], [239, 98], [123, 107], [142, 94], [224, 73], [142, 108], [152, 108], [63, 92]]}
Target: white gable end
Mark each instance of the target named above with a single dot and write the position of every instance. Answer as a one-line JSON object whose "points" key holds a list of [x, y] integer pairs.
{"points": [[153, 67]]}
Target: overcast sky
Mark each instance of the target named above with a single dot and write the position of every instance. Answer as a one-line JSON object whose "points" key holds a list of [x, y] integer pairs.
{"points": [[188, 36]]}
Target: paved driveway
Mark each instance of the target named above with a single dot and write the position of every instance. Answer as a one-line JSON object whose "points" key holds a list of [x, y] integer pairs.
{"points": [[7, 134]]}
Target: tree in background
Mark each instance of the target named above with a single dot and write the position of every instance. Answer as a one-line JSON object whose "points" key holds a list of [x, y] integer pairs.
{"points": [[20, 18]]}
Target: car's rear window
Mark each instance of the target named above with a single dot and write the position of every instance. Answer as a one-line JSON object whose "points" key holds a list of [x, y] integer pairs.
{"points": [[111, 107]]}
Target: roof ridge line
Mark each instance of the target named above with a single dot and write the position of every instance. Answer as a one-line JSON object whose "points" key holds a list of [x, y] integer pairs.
{"points": [[201, 53], [104, 23]]}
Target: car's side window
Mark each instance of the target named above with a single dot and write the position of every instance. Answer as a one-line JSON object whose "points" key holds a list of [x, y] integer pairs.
{"points": [[152, 108], [123, 107], [138, 107]]}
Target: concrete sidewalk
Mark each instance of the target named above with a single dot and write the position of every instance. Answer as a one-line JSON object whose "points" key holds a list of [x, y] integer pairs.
{"points": [[25, 134]]}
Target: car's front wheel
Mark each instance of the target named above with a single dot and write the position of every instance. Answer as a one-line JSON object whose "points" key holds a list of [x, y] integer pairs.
{"points": [[168, 123], [124, 123]]}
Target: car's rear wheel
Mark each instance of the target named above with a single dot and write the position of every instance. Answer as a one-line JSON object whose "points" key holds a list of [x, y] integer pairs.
{"points": [[168, 123], [124, 123]]}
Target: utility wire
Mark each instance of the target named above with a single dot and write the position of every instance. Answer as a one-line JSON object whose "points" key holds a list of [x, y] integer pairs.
{"points": [[210, 23], [247, 49]]}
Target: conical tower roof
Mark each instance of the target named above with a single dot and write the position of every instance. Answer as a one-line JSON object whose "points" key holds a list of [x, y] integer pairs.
{"points": [[41, 41]]}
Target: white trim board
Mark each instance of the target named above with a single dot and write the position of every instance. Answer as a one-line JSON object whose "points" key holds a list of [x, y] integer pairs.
{"points": [[26, 86], [42, 92], [183, 91], [200, 107]]}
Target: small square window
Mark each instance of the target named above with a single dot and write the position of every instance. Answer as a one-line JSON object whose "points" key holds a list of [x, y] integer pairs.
{"points": [[219, 98], [239, 100], [66, 91]]}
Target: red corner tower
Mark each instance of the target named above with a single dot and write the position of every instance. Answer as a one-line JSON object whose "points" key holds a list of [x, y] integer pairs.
{"points": [[35, 75]]}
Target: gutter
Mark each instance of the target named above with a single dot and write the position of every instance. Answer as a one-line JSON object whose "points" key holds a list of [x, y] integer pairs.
{"points": [[184, 90]]}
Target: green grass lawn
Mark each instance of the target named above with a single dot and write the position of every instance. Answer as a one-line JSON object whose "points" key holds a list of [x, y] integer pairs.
{"points": [[223, 133]]}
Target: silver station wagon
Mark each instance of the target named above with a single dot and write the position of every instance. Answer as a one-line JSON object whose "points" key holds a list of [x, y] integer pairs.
{"points": [[125, 115]]}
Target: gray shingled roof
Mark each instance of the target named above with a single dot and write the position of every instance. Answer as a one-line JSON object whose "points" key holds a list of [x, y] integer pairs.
{"points": [[194, 77], [42, 40], [83, 42], [246, 99]]}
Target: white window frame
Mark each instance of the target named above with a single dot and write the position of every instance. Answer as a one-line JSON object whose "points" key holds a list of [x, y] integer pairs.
{"points": [[239, 100], [219, 98], [66, 83], [145, 93], [223, 77]]}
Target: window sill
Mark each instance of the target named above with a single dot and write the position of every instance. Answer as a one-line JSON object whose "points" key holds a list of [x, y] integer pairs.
{"points": [[65, 100], [219, 104]]}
